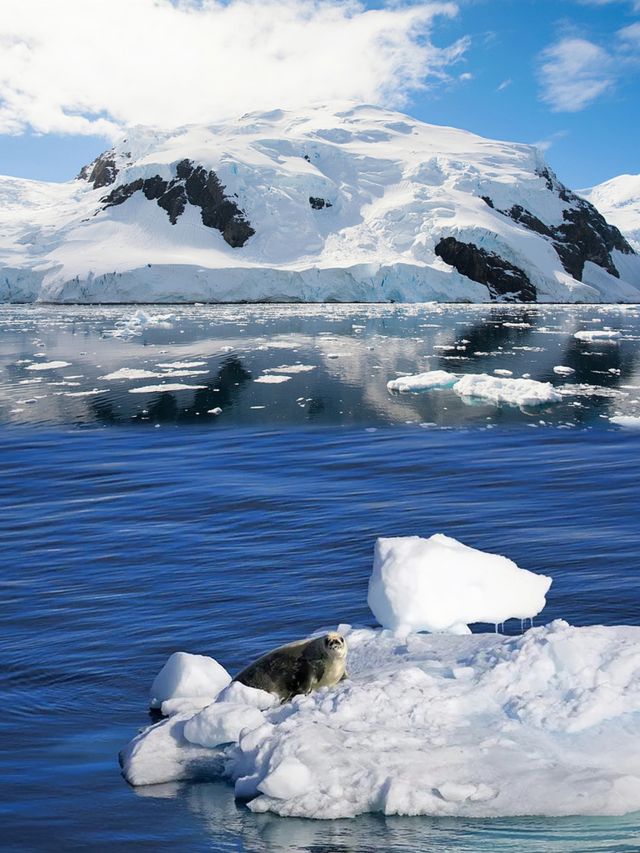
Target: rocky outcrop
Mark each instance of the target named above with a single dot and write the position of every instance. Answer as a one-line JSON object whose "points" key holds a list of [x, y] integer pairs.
{"points": [[101, 172], [318, 203], [505, 281], [584, 235], [192, 185]]}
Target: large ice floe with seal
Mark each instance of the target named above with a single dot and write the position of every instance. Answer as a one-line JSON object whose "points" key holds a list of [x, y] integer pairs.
{"points": [[448, 723]]}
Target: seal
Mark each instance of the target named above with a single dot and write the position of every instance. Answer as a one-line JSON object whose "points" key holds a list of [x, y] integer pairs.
{"points": [[299, 667]]}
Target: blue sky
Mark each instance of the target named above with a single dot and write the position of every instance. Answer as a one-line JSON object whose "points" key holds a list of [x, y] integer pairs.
{"points": [[563, 74]]}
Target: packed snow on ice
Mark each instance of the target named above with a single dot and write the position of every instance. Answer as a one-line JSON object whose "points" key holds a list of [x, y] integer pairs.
{"points": [[443, 723]]}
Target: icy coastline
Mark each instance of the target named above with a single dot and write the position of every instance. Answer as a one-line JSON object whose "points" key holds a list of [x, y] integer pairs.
{"points": [[338, 202]]}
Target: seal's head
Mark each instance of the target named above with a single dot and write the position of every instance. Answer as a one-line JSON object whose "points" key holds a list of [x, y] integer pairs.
{"points": [[335, 644]]}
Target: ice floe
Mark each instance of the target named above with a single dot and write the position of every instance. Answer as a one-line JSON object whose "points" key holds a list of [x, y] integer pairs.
{"points": [[496, 389], [483, 725], [140, 320], [598, 335], [131, 373], [49, 365], [423, 381], [272, 379], [514, 392], [167, 386], [626, 421], [181, 365]]}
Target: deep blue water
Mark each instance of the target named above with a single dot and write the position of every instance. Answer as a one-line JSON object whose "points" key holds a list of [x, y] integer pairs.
{"points": [[120, 545]]}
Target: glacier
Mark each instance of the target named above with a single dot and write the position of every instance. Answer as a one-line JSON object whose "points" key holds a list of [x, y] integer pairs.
{"points": [[619, 202], [338, 202]]}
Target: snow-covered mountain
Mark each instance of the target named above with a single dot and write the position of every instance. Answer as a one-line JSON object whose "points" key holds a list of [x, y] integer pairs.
{"points": [[347, 203], [619, 201]]}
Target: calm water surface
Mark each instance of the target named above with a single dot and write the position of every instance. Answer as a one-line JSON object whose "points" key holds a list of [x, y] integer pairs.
{"points": [[308, 365], [121, 542]]}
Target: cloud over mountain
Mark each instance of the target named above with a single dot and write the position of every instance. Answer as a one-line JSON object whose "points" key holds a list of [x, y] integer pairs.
{"points": [[93, 66]]}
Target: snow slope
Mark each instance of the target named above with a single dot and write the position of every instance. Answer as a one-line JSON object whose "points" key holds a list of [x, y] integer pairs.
{"points": [[618, 200], [338, 202]]}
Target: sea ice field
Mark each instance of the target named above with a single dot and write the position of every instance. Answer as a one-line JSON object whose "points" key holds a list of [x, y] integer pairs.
{"points": [[225, 520]]}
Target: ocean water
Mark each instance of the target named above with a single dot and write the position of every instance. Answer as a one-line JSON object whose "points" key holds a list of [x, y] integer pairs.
{"points": [[301, 365], [125, 538]]}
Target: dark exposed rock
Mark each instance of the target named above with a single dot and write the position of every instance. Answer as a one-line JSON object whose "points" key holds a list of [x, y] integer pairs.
{"points": [[101, 172], [198, 187], [120, 194], [487, 200], [174, 201], [544, 173], [154, 187], [318, 203], [522, 215], [583, 236], [504, 281]]}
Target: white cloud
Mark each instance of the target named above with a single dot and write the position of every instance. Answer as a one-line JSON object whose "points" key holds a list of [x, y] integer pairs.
{"points": [[545, 144], [504, 85], [573, 73], [630, 37], [91, 66]]}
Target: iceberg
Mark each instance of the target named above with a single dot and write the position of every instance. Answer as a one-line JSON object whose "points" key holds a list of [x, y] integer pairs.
{"points": [[439, 584]]}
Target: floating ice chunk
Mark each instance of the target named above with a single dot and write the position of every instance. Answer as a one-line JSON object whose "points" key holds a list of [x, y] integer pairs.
{"points": [[626, 421], [501, 371], [295, 368], [215, 411], [134, 325], [515, 392], [92, 393], [272, 379], [599, 335], [561, 370], [423, 381], [48, 365], [131, 373], [180, 365], [167, 386], [185, 675], [437, 583]]}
